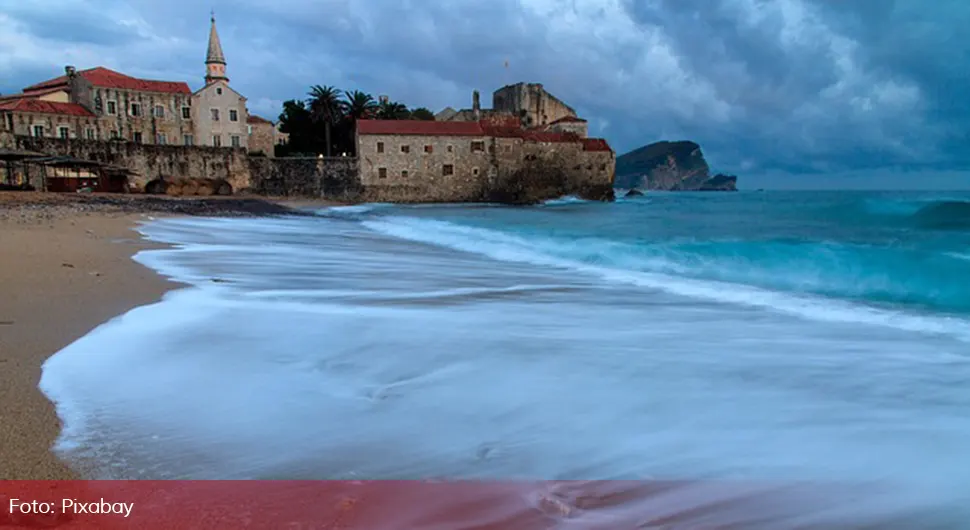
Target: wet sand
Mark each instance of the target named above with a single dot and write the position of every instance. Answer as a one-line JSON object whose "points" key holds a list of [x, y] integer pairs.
{"points": [[65, 268]]}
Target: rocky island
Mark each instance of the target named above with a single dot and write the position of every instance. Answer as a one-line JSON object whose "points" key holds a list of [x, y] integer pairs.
{"points": [[669, 166]]}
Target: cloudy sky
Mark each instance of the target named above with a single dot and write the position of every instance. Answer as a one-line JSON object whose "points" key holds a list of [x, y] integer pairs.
{"points": [[803, 93]]}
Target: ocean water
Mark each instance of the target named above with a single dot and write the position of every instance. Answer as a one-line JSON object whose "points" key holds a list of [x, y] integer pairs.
{"points": [[793, 336]]}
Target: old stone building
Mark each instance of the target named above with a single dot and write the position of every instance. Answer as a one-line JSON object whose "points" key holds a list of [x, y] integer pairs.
{"points": [[532, 103], [36, 117], [102, 104], [219, 112], [529, 102], [121, 107], [463, 160], [264, 136]]}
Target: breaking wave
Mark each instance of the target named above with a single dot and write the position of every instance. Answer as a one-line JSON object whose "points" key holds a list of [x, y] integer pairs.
{"points": [[824, 282]]}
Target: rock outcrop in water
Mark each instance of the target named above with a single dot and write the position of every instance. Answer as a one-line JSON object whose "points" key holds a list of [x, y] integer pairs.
{"points": [[670, 166]]}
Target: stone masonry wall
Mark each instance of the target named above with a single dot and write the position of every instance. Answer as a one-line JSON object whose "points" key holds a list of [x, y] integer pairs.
{"points": [[579, 128], [160, 117], [496, 169], [334, 178], [532, 103], [151, 161], [25, 123], [480, 169], [423, 168], [262, 136]]}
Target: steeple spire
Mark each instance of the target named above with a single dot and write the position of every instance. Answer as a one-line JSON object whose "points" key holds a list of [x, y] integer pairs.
{"points": [[215, 61]]}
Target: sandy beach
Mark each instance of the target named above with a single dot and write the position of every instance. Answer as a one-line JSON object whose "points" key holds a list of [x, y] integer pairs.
{"points": [[65, 268]]}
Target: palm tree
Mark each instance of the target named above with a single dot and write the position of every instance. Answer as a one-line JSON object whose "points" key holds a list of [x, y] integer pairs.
{"points": [[358, 105], [422, 113], [391, 110], [325, 107]]}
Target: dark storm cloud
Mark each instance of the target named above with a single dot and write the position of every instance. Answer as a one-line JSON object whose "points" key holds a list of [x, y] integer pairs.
{"points": [[72, 23], [786, 85]]}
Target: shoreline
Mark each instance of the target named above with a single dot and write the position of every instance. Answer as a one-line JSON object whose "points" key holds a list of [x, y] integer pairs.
{"points": [[65, 269]]}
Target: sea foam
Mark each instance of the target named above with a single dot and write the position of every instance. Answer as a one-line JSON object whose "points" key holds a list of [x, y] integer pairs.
{"points": [[396, 346], [504, 246]]}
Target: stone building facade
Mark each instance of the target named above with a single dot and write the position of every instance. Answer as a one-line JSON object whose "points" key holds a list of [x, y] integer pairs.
{"points": [[569, 125], [102, 104], [146, 161], [529, 102], [264, 136], [532, 103], [221, 118], [120, 107], [434, 161]]}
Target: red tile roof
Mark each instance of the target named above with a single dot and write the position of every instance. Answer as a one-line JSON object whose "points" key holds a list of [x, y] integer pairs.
{"points": [[257, 119], [596, 144], [420, 128], [491, 127], [549, 137], [569, 119], [44, 107], [502, 120], [105, 78]]}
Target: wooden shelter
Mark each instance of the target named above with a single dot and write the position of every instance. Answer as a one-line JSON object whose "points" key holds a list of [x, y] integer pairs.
{"points": [[68, 174], [16, 165]]}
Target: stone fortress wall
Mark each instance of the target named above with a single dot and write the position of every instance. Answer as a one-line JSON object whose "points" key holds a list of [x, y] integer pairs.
{"points": [[493, 159]]}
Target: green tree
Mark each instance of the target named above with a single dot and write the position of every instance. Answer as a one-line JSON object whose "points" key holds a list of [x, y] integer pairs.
{"points": [[391, 110], [359, 105], [297, 121], [422, 113], [326, 109]]}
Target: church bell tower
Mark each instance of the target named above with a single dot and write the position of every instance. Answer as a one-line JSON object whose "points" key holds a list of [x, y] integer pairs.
{"points": [[215, 61]]}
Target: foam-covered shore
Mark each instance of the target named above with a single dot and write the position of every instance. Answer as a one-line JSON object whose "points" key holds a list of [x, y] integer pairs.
{"points": [[66, 267]]}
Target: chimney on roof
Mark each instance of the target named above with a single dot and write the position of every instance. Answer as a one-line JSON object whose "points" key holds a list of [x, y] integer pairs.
{"points": [[476, 101], [78, 90]]}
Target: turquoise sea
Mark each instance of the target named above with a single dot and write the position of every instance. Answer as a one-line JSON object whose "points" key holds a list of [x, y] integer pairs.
{"points": [[794, 336]]}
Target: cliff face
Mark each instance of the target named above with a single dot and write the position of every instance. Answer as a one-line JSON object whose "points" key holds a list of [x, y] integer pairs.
{"points": [[669, 166]]}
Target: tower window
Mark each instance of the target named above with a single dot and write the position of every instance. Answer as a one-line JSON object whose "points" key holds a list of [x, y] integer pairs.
{"points": [[219, 91]]}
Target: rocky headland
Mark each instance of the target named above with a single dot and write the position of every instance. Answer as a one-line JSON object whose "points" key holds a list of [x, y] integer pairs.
{"points": [[669, 166]]}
